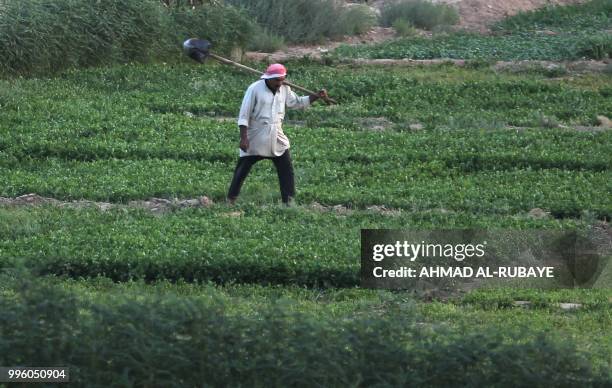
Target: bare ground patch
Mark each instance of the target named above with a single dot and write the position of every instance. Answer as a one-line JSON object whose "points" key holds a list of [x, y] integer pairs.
{"points": [[163, 205], [156, 205], [605, 124]]}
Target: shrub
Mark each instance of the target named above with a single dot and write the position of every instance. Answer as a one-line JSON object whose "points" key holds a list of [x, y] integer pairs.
{"points": [[357, 20], [404, 28], [596, 47], [421, 13], [302, 21], [266, 41]]}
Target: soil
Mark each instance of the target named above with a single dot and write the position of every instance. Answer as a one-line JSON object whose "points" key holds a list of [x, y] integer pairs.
{"points": [[474, 15], [156, 205]]}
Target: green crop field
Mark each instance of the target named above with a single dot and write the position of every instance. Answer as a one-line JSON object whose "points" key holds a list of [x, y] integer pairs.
{"points": [[259, 294], [198, 280]]}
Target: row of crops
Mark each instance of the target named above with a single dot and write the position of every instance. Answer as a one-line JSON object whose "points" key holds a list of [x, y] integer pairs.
{"points": [[181, 335], [108, 139], [261, 244]]}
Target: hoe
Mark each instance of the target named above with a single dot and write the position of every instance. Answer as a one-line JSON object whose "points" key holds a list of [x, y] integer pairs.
{"points": [[199, 50]]}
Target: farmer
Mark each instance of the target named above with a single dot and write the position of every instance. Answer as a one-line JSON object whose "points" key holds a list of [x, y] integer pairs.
{"points": [[261, 134]]}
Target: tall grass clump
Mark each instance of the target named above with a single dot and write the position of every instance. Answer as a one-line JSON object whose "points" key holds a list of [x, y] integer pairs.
{"points": [[597, 46], [49, 35], [304, 21], [264, 40], [357, 19], [404, 28], [225, 26], [42, 36], [421, 13]]}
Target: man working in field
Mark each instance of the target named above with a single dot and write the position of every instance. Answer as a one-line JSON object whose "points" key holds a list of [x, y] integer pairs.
{"points": [[261, 134]]}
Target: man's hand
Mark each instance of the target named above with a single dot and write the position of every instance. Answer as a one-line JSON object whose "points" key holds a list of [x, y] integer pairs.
{"points": [[244, 143], [320, 94], [244, 139]]}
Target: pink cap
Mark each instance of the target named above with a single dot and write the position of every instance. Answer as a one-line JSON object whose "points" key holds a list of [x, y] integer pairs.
{"points": [[275, 70]]}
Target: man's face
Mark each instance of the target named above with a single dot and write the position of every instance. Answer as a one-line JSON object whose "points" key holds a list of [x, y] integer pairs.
{"points": [[276, 83]]}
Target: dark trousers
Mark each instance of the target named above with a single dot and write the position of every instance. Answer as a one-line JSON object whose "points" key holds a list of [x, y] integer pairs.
{"points": [[284, 169]]}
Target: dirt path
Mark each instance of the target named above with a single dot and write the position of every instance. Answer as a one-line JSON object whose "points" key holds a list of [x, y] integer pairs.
{"points": [[163, 205]]}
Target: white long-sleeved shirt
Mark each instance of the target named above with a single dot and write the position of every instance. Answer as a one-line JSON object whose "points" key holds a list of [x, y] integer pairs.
{"points": [[262, 112]]}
